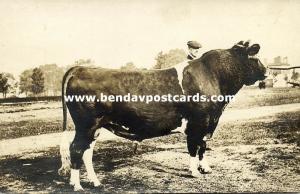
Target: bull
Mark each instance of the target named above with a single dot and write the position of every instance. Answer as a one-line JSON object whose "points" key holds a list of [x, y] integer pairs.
{"points": [[217, 72]]}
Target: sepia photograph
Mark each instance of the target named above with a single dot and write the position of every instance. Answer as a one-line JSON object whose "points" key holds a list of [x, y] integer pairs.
{"points": [[149, 96]]}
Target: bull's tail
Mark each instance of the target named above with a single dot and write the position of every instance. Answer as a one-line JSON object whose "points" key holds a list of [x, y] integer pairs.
{"points": [[66, 136], [65, 81]]}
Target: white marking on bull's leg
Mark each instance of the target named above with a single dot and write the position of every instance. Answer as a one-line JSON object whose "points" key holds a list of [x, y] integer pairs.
{"points": [[182, 128], [207, 137], [203, 164], [88, 162], [65, 154], [179, 68], [75, 180], [194, 164]]}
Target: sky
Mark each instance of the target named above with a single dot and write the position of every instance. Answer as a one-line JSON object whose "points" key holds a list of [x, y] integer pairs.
{"points": [[112, 33]]}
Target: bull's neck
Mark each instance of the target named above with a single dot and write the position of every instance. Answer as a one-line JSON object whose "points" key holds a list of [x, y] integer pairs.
{"points": [[230, 87], [229, 72]]}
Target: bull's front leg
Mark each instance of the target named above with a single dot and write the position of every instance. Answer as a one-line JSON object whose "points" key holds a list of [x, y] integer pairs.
{"points": [[197, 146], [198, 162], [203, 163]]}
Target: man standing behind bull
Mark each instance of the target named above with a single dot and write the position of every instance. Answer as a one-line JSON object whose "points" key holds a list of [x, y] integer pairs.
{"points": [[193, 48]]}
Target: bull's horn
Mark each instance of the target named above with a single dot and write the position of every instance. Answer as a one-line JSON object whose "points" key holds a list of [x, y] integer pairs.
{"points": [[247, 43], [240, 43]]}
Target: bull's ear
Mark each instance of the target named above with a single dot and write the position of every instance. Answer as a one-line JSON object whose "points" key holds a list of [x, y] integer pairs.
{"points": [[253, 50]]}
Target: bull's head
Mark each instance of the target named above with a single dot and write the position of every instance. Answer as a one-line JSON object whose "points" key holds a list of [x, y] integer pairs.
{"points": [[254, 70]]}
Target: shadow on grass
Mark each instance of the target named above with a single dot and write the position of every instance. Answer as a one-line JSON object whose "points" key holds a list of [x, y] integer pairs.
{"points": [[286, 127], [28, 128], [38, 171]]}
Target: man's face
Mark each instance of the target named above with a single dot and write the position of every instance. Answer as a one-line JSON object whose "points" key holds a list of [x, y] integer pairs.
{"points": [[193, 51]]}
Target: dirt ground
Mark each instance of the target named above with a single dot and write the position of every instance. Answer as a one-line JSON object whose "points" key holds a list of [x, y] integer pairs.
{"points": [[248, 154]]}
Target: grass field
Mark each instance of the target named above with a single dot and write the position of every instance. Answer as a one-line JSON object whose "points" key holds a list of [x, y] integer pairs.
{"points": [[258, 154]]}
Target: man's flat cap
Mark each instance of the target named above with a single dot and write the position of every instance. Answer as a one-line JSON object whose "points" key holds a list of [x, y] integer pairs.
{"points": [[194, 44]]}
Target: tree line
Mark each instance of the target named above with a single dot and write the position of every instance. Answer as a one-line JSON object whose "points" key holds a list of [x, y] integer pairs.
{"points": [[42, 80], [46, 80]]}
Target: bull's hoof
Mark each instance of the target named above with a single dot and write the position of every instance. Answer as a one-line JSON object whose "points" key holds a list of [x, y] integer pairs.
{"points": [[204, 167], [195, 174], [64, 171], [78, 188], [205, 170], [95, 182]]}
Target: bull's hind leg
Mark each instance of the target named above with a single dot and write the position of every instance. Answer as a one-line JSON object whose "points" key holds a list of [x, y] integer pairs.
{"points": [[81, 151], [88, 162], [77, 148], [65, 153]]}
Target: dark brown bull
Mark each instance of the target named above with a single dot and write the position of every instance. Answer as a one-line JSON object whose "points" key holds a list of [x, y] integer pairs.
{"points": [[217, 72]]}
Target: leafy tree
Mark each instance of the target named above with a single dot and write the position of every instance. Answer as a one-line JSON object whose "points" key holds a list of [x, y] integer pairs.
{"points": [[7, 83], [161, 59], [25, 84], [37, 81], [53, 78], [13, 84], [129, 66], [169, 59], [3, 84]]}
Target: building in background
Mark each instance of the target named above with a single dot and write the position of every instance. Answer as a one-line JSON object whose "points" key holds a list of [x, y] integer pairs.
{"points": [[281, 73]]}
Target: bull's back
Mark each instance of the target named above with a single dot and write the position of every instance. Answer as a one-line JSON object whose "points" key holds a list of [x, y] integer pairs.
{"points": [[154, 117], [111, 81]]}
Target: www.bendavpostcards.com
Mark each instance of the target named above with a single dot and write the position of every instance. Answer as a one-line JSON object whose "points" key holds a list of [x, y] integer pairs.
{"points": [[149, 98]]}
